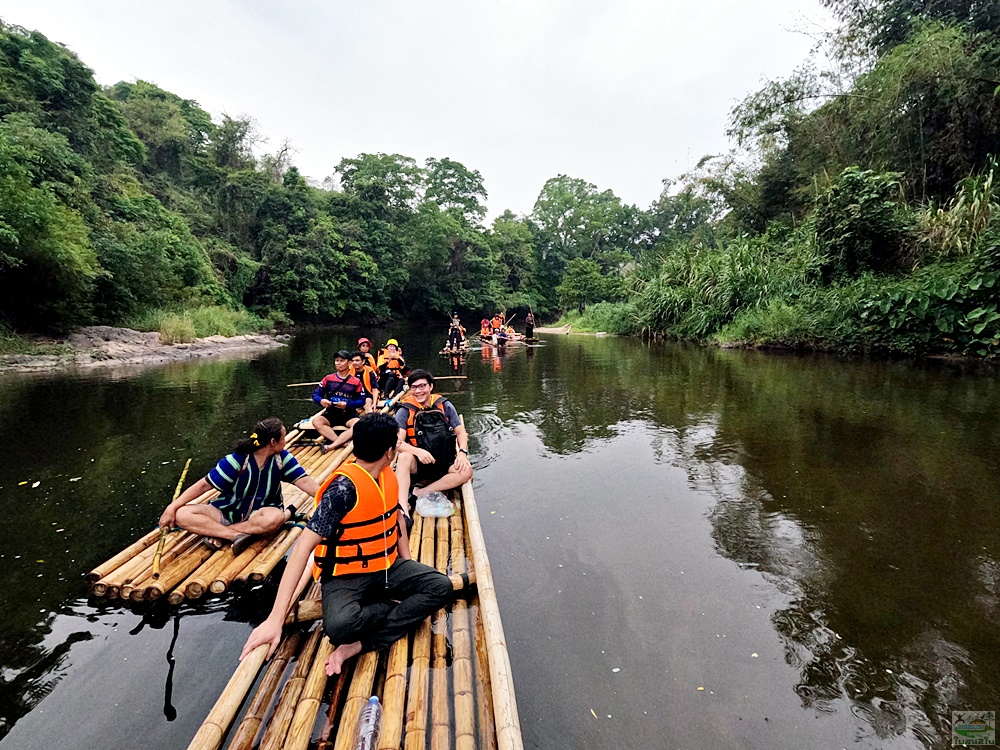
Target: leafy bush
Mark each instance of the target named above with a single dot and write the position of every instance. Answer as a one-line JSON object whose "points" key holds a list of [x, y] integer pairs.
{"points": [[859, 224]]}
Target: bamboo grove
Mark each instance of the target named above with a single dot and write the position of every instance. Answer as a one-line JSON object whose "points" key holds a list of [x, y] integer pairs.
{"points": [[857, 211]]}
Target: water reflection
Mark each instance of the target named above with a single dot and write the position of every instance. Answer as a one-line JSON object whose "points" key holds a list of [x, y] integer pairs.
{"points": [[657, 508]]}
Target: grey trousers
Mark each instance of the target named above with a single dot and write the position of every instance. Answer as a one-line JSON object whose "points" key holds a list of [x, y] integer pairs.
{"points": [[379, 608]]}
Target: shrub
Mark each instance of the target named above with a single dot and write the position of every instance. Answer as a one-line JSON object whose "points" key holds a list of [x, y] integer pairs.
{"points": [[176, 328]]}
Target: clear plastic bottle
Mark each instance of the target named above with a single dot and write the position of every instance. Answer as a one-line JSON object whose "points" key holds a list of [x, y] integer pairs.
{"points": [[369, 724]]}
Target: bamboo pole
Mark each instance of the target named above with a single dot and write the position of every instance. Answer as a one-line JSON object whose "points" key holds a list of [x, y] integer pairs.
{"points": [[176, 573], [481, 672], [224, 578], [440, 704], [139, 569], [113, 563], [277, 728], [247, 730], [461, 642], [304, 719], [197, 583], [163, 532], [394, 696], [213, 729], [416, 704], [135, 589], [336, 694], [504, 703], [357, 696]]}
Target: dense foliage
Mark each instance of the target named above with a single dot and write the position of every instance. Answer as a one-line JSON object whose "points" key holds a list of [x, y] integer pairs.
{"points": [[859, 210]]}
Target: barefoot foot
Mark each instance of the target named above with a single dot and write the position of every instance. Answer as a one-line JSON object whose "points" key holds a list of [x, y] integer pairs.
{"points": [[335, 661]]}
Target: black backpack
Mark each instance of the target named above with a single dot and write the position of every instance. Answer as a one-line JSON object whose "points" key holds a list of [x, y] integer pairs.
{"points": [[434, 434]]}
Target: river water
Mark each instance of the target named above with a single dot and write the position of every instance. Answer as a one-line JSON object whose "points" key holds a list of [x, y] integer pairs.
{"points": [[692, 548]]}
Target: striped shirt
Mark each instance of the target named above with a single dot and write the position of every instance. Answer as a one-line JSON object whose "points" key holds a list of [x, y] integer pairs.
{"points": [[244, 487]]}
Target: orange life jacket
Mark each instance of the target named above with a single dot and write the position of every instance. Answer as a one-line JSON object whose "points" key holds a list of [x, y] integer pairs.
{"points": [[436, 402], [392, 363], [485, 330], [497, 323], [369, 378], [368, 534]]}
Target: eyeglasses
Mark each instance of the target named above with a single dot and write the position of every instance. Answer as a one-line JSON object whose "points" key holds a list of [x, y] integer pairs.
{"points": [[420, 386]]}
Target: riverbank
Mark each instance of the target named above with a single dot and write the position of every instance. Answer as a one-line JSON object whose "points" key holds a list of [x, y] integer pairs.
{"points": [[107, 346]]}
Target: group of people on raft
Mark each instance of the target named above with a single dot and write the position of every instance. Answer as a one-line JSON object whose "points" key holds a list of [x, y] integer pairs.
{"points": [[496, 328], [357, 538]]}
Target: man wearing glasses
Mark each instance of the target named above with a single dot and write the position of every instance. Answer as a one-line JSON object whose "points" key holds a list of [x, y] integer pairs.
{"points": [[434, 446]]}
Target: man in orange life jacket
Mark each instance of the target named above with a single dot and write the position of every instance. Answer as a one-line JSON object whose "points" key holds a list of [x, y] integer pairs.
{"points": [[373, 593], [417, 465]]}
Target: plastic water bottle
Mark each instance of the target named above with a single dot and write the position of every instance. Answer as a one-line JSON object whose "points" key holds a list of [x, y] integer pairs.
{"points": [[369, 724]]}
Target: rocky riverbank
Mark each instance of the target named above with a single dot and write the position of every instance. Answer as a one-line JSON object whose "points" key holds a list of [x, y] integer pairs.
{"points": [[105, 346]]}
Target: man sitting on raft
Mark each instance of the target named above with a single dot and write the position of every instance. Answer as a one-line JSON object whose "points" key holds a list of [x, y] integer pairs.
{"points": [[434, 446], [341, 394], [373, 593], [249, 484]]}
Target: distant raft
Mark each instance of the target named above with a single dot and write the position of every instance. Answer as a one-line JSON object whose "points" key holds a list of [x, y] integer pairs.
{"points": [[447, 685]]}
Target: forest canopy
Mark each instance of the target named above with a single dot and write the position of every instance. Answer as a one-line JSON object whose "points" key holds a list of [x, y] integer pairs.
{"points": [[858, 209]]}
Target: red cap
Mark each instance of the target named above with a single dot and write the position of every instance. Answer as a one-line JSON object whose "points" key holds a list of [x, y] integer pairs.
{"points": [[363, 340]]}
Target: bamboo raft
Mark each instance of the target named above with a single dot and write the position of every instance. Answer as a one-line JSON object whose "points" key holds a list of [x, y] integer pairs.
{"points": [[190, 570], [446, 685]]}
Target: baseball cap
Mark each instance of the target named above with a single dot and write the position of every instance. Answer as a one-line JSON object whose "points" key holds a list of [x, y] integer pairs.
{"points": [[343, 354]]}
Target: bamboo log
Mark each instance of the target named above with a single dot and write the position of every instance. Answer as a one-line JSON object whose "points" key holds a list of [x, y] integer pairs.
{"points": [[440, 705], [195, 585], [304, 719], [224, 578], [135, 590], [484, 689], [357, 696], [461, 642], [416, 704], [336, 694], [213, 729], [140, 568], [113, 563], [394, 696], [247, 730], [177, 572], [504, 703], [277, 728]]}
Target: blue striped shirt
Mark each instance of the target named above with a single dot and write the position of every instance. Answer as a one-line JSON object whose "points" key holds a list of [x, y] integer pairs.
{"points": [[251, 488]]}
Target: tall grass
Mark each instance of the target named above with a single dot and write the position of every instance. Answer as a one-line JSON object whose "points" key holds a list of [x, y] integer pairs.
{"points": [[183, 326]]}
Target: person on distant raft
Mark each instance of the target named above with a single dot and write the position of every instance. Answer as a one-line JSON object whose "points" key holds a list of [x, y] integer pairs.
{"points": [[368, 377], [373, 593], [496, 324], [485, 329], [249, 480], [365, 347], [456, 333], [392, 369], [340, 394], [434, 446], [529, 325]]}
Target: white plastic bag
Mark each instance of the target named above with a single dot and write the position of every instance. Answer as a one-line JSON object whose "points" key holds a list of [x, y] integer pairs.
{"points": [[435, 505]]}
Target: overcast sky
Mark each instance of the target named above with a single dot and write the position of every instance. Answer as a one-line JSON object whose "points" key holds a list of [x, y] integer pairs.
{"points": [[622, 94]]}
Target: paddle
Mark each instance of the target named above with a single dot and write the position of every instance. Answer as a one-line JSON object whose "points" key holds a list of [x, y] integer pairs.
{"points": [[164, 531]]}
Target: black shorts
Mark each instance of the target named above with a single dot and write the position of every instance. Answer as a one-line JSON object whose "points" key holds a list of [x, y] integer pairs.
{"points": [[427, 473], [338, 417]]}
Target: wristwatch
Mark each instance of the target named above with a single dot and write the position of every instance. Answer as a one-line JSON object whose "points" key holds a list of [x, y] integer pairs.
{"points": [[464, 450]]}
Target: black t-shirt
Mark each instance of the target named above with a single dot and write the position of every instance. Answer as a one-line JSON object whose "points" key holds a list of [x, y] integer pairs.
{"points": [[338, 500]]}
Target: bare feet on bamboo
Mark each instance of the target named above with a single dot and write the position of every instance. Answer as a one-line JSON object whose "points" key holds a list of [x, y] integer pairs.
{"points": [[335, 661]]}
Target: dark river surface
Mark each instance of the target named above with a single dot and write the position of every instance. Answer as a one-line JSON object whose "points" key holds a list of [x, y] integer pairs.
{"points": [[692, 548]]}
